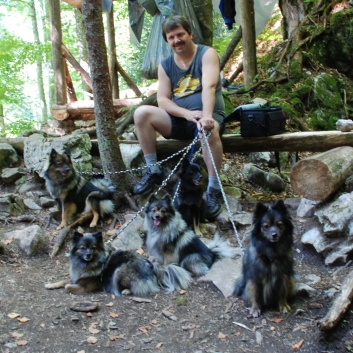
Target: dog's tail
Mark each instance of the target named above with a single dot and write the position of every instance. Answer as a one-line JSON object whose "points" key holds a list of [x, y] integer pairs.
{"points": [[221, 247], [103, 198], [239, 287], [175, 278]]}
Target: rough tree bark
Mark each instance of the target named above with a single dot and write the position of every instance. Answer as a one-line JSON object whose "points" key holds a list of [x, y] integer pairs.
{"points": [[109, 148], [249, 41]]}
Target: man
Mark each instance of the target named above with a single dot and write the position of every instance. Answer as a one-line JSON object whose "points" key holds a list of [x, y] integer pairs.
{"points": [[189, 97]]}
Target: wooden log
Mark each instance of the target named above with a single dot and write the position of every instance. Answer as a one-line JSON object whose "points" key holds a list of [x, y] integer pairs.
{"points": [[339, 306], [319, 176], [315, 141], [62, 112]]}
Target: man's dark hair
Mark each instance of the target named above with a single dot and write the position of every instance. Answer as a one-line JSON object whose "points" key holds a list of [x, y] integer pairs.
{"points": [[174, 22]]}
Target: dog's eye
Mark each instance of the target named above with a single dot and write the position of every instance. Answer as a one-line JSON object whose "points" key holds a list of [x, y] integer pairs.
{"points": [[279, 223], [82, 247], [93, 247], [265, 226]]}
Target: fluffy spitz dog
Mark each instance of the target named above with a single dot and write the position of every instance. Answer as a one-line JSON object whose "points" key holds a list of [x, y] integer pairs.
{"points": [[93, 269], [268, 276], [74, 194], [189, 199], [170, 241]]}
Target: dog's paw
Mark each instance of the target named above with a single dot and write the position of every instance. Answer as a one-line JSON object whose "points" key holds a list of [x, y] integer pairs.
{"points": [[255, 312], [285, 308], [126, 292], [56, 285]]}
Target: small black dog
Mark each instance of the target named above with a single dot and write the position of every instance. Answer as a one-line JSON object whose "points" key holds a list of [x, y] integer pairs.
{"points": [[268, 276], [189, 200]]}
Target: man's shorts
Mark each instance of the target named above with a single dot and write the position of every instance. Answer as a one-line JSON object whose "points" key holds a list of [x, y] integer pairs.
{"points": [[183, 129]]}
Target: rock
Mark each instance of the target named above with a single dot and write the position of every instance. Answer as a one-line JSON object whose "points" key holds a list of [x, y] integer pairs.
{"points": [[11, 205], [8, 156], [30, 240], [11, 175]]}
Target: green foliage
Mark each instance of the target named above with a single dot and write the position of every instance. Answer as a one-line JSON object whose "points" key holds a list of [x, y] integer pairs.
{"points": [[16, 127]]}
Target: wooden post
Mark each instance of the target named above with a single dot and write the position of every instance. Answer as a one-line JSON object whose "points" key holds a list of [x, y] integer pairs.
{"points": [[58, 59]]}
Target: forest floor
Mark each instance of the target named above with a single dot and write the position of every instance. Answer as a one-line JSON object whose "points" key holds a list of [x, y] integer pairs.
{"points": [[36, 320]]}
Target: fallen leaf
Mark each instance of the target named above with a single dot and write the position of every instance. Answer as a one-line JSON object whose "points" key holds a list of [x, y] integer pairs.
{"points": [[23, 319], [7, 241], [298, 345], [42, 325], [159, 345], [242, 325], [93, 330], [81, 352], [154, 322], [89, 314], [16, 334], [113, 315], [276, 320], [272, 328], [221, 336], [13, 315], [145, 328], [109, 304], [182, 292], [92, 339], [21, 343], [258, 337], [140, 251], [141, 300], [117, 337]]}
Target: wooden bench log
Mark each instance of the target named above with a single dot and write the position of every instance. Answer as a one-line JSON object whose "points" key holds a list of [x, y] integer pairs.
{"points": [[72, 109], [315, 141], [319, 176]]}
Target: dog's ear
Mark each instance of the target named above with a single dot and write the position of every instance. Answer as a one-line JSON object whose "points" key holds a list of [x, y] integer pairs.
{"points": [[184, 165], [260, 210], [281, 207], [53, 154], [77, 237], [98, 236], [167, 198], [152, 198]]}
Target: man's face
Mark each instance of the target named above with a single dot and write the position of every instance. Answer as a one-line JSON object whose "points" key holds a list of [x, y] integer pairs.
{"points": [[179, 40]]}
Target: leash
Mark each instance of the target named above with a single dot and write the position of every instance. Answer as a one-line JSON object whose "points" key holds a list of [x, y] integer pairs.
{"points": [[231, 219]]}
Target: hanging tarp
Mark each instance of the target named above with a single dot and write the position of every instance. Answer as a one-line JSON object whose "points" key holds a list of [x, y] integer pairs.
{"points": [[136, 18]]}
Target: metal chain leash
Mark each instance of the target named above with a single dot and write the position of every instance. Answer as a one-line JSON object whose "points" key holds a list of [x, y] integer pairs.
{"points": [[223, 194]]}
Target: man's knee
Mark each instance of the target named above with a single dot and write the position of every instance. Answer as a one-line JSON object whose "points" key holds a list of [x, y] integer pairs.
{"points": [[140, 113]]}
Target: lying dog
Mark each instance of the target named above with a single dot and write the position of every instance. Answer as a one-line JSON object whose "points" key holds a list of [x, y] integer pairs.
{"points": [[189, 200], [74, 194], [268, 276], [170, 241], [92, 269]]}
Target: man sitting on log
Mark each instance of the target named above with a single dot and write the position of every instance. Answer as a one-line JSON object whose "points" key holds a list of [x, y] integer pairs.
{"points": [[189, 97]]}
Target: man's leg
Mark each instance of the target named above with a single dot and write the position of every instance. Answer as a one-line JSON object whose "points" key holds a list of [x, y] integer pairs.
{"points": [[213, 193], [149, 120]]}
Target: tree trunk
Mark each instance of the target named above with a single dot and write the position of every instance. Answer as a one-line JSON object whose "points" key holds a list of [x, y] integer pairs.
{"points": [[2, 121], [230, 48], [82, 52], [108, 143], [58, 60], [112, 54], [39, 62], [249, 41], [318, 177]]}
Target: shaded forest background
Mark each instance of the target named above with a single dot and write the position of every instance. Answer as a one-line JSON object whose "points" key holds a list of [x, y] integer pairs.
{"points": [[304, 61]]}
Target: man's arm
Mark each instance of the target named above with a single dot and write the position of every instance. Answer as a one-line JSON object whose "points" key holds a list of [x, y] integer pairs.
{"points": [[165, 102], [210, 77]]}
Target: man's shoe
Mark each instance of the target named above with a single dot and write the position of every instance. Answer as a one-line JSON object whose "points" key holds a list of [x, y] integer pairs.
{"points": [[213, 203], [147, 182]]}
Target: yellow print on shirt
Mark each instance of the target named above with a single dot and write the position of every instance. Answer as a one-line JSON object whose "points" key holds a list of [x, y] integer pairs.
{"points": [[186, 86]]}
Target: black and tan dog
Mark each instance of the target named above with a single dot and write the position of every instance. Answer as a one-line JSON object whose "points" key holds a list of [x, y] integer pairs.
{"points": [[92, 269], [268, 269], [189, 199], [171, 241], [74, 194]]}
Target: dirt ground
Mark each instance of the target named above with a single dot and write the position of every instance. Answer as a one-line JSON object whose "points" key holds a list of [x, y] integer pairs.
{"points": [[36, 320]]}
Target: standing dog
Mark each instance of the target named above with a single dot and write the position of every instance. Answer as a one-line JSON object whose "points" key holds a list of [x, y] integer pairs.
{"points": [[189, 200], [268, 276], [170, 241], [74, 194], [122, 272]]}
